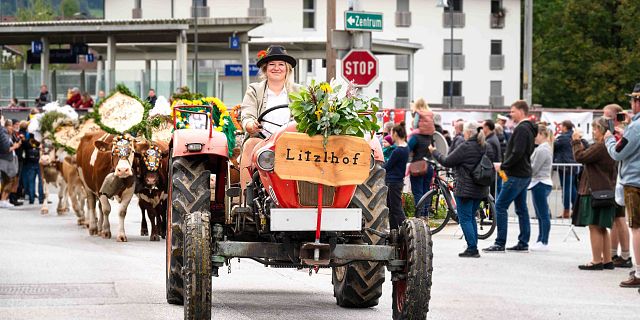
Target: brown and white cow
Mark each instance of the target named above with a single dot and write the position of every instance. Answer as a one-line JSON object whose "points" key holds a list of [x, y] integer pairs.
{"points": [[105, 166], [152, 169], [75, 189], [51, 170]]}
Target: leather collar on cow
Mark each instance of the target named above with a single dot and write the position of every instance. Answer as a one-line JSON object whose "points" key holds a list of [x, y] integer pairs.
{"points": [[122, 147], [152, 158]]}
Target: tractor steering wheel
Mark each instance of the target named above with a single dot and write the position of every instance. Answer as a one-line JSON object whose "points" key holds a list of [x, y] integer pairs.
{"points": [[266, 112]]}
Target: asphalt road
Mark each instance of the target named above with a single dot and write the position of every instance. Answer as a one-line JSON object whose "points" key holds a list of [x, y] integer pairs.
{"points": [[52, 269]]}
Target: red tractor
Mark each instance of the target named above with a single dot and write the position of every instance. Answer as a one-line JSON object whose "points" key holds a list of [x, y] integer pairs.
{"points": [[308, 205]]}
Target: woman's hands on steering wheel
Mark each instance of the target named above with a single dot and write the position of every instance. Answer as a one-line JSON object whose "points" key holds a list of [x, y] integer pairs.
{"points": [[253, 127]]}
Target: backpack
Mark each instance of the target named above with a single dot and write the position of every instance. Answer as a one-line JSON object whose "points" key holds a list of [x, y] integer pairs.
{"points": [[484, 172]]}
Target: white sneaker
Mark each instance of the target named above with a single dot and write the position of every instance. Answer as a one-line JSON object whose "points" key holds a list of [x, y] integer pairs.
{"points": [[6, 204], [540, 247]]}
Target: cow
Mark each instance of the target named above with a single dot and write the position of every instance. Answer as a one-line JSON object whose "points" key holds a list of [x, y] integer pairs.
{"points": [[75, 189], [51, 170], [105, 164], [151, 165]]}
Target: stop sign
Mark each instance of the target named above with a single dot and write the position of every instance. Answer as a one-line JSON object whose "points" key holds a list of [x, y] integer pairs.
{"points": [[360, 66]]}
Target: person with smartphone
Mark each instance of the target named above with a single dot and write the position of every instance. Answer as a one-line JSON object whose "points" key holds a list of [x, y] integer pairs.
{"points": [[620, 230], [627, 151]]}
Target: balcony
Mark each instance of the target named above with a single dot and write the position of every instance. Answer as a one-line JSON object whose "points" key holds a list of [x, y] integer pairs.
{"points": [[496, 62], [402, 103], [200, 12], [496, 101], [257, 12], [458, 62], [458, 101], [497, 21], [403, 19], [458, 19]]}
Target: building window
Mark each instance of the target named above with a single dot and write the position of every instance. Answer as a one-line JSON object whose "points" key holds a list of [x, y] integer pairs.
{"points": [[457, 6], [309, 14], [496, 6], [256, 3], [309, 66], [324, 63], [457, 46], [257, 9], [402, 89], [402, 6], [457, 88], [402, 60], [455, 55], [496, 88], [496, 47], [200, 3]]}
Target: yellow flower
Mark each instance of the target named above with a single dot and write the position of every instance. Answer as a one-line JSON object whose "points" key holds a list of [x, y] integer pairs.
{"points": [[319, 114], [326, 88], [174, 103], [221, 122], [219, 129], [219, 104], [225, 114], [186, 102]]}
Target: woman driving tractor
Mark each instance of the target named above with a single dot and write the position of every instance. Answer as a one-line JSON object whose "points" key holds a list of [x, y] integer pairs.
{"points": [[276, 72]]}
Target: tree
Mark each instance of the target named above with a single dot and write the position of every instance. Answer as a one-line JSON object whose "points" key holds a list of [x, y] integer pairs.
{"points": [[35, 10], [68, 8], [584, 52]]}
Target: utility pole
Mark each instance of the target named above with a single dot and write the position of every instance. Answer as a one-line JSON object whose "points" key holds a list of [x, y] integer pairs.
{"points": [[195, 47], [330, 52], [528, 52]]}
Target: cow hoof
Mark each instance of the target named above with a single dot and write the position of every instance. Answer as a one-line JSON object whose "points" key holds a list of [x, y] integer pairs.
{"points": [[93, 231], [154, 237], [81, 221], [44, 211], [144, 232], [122, 238], [105, 234], [63, 211]]}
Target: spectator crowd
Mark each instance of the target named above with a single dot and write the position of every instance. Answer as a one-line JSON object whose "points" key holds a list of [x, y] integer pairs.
{"points": [[599, 181]]}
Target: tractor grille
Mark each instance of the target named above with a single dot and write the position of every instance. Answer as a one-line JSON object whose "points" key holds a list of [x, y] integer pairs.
{"points": [[308, 194]]}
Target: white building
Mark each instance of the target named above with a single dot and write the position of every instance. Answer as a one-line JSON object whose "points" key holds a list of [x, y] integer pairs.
{"points": [[486, 47]]}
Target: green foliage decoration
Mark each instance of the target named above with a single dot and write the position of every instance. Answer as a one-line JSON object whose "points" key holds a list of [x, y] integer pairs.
{"points": [[143, 128], [323, 109]]}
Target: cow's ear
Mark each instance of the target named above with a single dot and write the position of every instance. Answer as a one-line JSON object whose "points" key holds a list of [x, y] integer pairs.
{"points": [[102, 146], [141, 145]]}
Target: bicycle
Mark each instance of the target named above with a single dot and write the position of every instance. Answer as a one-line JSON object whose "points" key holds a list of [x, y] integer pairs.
{"points": [[443, 207]]}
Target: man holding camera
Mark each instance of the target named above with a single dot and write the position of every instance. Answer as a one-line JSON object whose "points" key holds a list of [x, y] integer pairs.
{"points": [[627, 151]]}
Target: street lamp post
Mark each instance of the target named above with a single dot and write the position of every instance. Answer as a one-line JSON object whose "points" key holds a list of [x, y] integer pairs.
{"points": [[449, 4]]}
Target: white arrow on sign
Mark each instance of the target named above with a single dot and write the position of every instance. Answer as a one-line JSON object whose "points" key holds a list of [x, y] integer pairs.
{"points": [[351, 20]]}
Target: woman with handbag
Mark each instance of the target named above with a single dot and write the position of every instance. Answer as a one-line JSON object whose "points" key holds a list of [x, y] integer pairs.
{"points": [[595, 206], [420, 171]]}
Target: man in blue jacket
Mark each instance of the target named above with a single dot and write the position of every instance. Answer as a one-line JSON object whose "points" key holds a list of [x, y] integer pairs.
{"points": [[563, 153], [627, 151]]}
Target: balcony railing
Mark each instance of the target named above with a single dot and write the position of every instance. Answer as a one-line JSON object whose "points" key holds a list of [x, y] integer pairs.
{"points": [[402, 102], [458, 19], [458, 101], [497, 21], [458, 61], [496, 101], [257, 12], [403, 19], [496, 62]]}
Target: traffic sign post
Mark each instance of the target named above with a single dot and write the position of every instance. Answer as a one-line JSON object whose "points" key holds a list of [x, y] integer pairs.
{"points": [[360, 66], [362, 21]]}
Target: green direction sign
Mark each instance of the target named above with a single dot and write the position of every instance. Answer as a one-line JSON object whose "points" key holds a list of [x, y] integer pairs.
{"points": [[367, 21]]}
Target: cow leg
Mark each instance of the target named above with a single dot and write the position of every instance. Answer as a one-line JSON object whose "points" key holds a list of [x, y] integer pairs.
{"points": [[153, 217], [124, 204], [144, 231], [63, 205], [105, 209], [74, 197], [91, 212], [45, 189], [162, 218]]}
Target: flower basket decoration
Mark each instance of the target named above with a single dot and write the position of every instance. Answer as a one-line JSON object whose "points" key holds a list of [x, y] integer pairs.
{"points": [[220, 117], [326, 109], [123, 112]]}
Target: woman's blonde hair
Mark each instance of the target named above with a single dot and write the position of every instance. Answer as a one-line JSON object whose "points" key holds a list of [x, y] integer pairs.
{"points": [[546, 132], [474, 130], [420, 104], [288, 77]]}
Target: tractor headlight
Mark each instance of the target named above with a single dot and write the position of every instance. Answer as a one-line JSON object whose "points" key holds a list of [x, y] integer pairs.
{"points": [[194, 147], [266, 160]]}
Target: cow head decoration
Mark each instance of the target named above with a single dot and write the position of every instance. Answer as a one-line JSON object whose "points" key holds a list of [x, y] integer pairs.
{"points": [[151, 161], [47, 153], [122, 152]]}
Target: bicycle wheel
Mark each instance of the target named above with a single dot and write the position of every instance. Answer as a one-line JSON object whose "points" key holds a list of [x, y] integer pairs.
{"points": [[440, 209], [486, 218]]}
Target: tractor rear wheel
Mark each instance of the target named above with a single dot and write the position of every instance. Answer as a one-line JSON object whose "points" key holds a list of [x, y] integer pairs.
{"points": [[359, 284], [197, 271], [189, 178], [412, 286]]}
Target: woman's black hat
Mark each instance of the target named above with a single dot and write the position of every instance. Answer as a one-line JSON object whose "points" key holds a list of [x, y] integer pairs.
{"points": [[274, 53]]}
